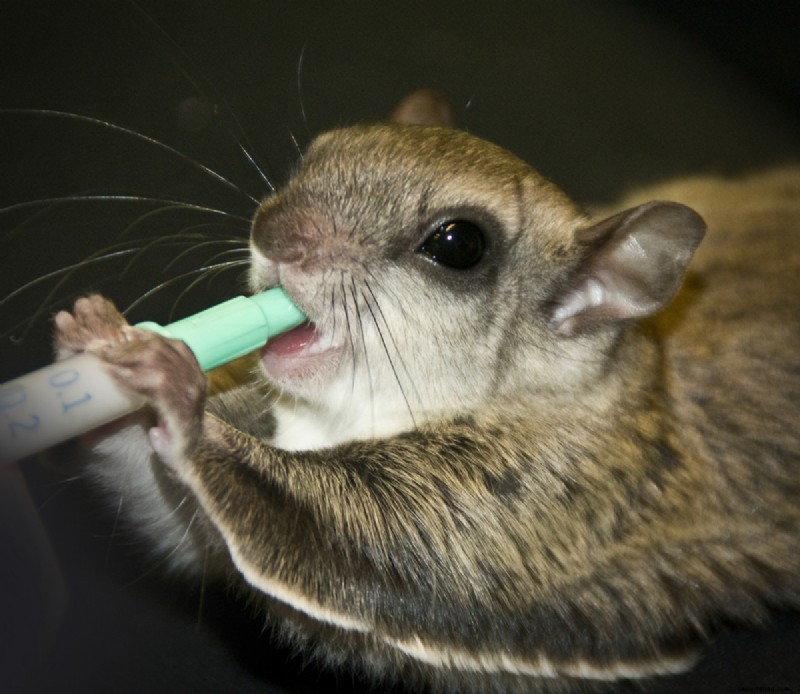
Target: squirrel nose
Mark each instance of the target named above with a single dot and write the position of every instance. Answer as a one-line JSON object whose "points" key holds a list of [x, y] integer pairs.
{"points": [[278, 236]]}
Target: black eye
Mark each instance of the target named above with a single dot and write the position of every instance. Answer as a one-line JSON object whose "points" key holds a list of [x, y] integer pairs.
{"points": [[457, 244]]}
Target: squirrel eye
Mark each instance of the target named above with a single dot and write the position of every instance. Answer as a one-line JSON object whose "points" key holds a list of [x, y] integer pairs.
{"points": [[457, 244]]}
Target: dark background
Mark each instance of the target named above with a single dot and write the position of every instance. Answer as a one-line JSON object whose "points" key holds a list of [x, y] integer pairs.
{"points": [[598, 95]]}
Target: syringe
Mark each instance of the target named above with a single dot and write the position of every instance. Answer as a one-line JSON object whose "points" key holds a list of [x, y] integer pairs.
{"points": [[76, 395]]}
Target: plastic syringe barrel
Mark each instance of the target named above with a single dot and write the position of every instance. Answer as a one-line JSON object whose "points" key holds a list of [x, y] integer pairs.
{"points": [[76, 395]]}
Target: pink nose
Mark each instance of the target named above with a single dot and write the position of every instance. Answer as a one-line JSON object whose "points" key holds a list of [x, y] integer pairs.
{"points": [[286, 235], [277, 243]]}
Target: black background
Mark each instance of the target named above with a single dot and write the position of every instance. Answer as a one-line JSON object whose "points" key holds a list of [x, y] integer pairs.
{"points": [[599, 96]]}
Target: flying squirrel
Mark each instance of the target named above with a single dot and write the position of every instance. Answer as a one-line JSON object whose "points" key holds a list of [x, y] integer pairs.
{"points": [[515, 448]]}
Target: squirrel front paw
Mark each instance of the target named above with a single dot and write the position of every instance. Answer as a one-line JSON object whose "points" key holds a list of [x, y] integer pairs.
{"points": [[93, 323], [163, 371]]}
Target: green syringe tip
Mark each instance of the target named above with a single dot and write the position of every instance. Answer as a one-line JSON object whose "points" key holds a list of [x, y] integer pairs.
{"points": [[279, 311], [235, 327]]}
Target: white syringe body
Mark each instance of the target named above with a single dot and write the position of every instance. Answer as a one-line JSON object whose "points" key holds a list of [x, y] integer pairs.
{"points": [[53, 404]]}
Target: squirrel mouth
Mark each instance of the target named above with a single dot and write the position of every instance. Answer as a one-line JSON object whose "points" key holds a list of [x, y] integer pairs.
{"points": [[293, 341], [298, 353]]}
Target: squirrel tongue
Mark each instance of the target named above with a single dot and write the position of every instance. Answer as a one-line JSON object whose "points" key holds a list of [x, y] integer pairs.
{"points": [[292, 342]]}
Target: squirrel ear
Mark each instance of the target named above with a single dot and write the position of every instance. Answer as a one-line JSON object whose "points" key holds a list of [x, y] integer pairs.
{"points": [[424, 107], [634, 265]]}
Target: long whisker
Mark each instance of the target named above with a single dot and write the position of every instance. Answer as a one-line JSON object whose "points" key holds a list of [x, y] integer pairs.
{"points": [[238, 132], [296, 144], [333, 313], [193, 249], [393, 341], [178, 239], [366, 355], [67, 269], [349, 326], [114, 127], [300, 96], [162, 210], [66, 272], [113, 535], [207, 271], [192, 228], [182, 276], [63, 485], [47, 304], [387, 352], [167, 557], [181, 204]]}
